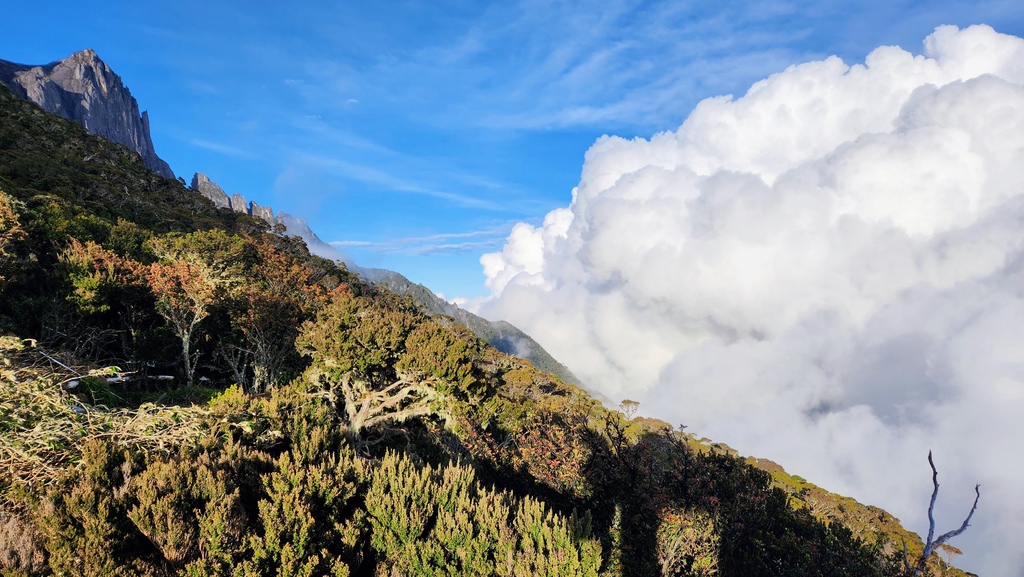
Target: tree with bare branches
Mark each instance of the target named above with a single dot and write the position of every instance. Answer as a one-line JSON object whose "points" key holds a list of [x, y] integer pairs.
{"points": [[933, 544]]}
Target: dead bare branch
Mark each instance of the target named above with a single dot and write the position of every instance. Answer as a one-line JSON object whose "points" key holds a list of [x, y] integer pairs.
{"points": [[931, 545]]}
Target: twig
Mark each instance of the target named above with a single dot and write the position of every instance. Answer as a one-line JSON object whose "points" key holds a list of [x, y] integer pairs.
{"points": [[40, 351]]}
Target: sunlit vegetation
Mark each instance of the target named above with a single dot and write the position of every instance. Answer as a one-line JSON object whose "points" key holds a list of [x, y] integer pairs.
{"points": [[189, 393], [10, 230]]}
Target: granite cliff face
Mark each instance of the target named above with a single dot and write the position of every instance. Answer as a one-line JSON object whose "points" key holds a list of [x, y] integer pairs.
{"points": [[83, 89], [208, 188], [238, 203]]}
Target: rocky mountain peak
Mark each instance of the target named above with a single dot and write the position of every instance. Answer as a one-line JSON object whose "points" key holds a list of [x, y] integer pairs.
{"points": [[236, 202], [87, 57], [202, 184], [83, 89]]}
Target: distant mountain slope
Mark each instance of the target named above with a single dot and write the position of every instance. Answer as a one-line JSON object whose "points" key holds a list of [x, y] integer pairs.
{"points": [[501, 335], [84, 89]]}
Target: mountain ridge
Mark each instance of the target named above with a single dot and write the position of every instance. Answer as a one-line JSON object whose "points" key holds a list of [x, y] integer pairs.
{"points": [[84, 89], [502, 335], [236, 202]]}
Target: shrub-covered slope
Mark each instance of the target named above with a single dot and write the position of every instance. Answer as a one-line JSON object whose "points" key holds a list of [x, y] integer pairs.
{"points": [[500, 334], [189, 394]]}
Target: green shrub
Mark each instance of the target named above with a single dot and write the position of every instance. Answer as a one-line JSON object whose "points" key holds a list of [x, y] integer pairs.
{"points": [[84, 519], [429, 521], [308, 524], [688, 544], [309, 517], [191, 509]]}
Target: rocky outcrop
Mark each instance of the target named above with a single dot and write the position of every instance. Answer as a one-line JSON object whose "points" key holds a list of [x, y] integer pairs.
{"points": [[210, 190], [264, 212], [239, 204], [83, 89], [236, 202]]}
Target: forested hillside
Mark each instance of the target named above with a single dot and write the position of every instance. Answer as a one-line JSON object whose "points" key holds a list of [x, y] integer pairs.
{"points": [[185, 392]]}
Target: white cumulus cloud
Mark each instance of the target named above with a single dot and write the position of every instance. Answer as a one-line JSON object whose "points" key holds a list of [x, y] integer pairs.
{"points": [[827, 271]]}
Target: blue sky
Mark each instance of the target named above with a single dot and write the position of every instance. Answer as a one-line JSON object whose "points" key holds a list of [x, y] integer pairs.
{"points": [[416, 134]]}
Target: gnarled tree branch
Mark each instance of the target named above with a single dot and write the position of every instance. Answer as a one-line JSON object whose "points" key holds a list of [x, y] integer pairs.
{"points": [[401, 400], [930, 545]]}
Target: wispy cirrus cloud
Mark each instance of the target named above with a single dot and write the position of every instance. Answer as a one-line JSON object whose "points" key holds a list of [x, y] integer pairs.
{"points": [[383, 179], [314, 127], [456, 242], [634, 64], [222, 148], [628, 63]]}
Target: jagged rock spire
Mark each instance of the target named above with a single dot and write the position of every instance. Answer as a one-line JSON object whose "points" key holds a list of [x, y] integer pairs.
{"points": [[236, 202]]}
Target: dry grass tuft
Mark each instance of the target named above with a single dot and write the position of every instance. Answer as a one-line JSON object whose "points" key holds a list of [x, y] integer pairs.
{"points": [[43, 427]]}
